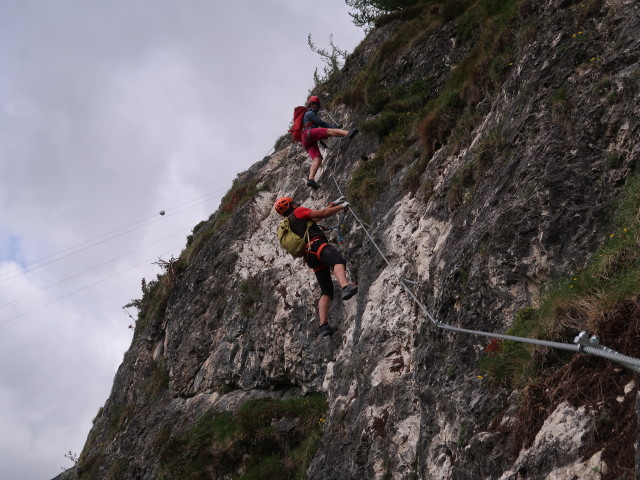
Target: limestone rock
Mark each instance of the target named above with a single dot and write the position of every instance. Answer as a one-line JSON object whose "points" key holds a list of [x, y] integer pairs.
{"points": [[405, 398]]}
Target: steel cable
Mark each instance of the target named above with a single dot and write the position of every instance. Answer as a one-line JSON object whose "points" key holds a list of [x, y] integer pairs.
{"points": [[591, 347]]}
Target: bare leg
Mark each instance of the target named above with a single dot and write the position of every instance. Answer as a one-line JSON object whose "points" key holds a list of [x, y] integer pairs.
{"points": [[323, 308], [337, 132], [315, 164], [340, 273]]}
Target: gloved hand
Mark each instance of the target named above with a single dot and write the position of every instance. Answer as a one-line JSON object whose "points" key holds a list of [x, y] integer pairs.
{"points": [[340, 202]]}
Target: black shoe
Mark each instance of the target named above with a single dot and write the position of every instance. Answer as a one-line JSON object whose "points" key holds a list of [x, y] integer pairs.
{"points": [[327, 330], [353, 133], [313, 184], [349, 291]]}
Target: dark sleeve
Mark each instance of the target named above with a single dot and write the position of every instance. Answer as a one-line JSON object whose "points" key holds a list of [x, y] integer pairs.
{"points": [[314, 118]]}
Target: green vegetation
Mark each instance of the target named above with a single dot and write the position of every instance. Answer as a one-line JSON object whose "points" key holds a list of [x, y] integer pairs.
{"points": [[602, 299], [366, 183], [250, 296], [462, 186], [118, 417], [153, 304], [635, 76], [412, 179], [367, 12], [560, 107], [118, 469], [436, 115], [91, 465], [492, 146], [333, 60], [614, 159], [221, 443], [155, 294], [577, 302], [463, 434], [513, 364], [241, 192], [588, 9], [603, 86], [157, 381], [493, 26], [464, 182], [109, 421], [382, 125]]}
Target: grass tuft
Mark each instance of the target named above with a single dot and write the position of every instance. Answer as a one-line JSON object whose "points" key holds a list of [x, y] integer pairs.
{"points": [[222, 444], [577, 302]]}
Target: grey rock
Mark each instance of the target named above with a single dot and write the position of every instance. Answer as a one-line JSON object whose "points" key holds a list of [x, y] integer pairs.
{"points": [[405, 400]]}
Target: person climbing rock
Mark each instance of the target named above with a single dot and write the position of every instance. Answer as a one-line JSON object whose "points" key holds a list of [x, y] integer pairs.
{"points": [[315, 130], [319, 254]]}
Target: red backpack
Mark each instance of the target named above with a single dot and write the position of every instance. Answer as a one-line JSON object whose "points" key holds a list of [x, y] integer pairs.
{"points": [[298, 118]]}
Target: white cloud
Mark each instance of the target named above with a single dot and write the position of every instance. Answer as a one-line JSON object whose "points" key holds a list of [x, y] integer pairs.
{"points": [[110, 112]]}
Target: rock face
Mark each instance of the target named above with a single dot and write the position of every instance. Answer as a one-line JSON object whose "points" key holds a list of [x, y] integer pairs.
{"points": [[548, 151]]}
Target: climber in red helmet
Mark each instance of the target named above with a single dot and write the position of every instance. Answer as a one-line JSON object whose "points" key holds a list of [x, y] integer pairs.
{"points": [[315, 130], [319, 254]]}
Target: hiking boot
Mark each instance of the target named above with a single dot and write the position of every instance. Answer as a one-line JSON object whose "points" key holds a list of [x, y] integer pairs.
{"points": [[353, 133], [312, 183], [327, 330], [349, 291]]}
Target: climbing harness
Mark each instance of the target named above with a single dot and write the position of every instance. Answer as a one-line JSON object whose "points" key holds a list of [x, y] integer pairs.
{"points": [[583, 343], [309, 251]]}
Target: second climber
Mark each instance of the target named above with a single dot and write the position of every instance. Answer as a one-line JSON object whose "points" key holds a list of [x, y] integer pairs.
{"points": [[315, 130]]}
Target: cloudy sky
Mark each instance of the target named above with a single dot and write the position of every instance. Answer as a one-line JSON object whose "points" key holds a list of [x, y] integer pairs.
{"points": [[111, 111]]}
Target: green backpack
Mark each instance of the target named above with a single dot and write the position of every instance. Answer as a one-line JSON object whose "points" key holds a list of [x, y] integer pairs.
{"points": [[290, 241]]}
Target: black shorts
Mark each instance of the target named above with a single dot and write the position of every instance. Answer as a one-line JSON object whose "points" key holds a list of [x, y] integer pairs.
{"points": [[329, 257]]}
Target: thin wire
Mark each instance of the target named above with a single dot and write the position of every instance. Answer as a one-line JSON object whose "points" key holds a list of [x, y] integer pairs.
{"points": [[82, 289], [213, 194], [23, 272], [92, 268]]}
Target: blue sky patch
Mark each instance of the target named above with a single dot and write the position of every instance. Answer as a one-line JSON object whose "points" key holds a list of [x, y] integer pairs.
{"points": [[10, 250]]}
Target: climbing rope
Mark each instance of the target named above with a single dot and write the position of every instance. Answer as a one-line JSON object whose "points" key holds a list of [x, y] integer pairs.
{"points": [[582, 343]]}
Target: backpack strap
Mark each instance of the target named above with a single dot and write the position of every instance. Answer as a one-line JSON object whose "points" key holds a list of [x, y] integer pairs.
{"points": [[306, 234], [309, 124]]}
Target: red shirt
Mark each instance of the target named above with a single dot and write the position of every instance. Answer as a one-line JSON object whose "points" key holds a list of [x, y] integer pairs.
{"points": [[298, 221]]}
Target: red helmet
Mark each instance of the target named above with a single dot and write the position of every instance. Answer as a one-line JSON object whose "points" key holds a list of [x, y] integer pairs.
{"points": [[283, 204], [313, 99]]}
